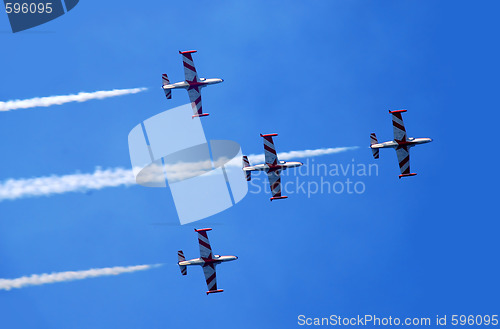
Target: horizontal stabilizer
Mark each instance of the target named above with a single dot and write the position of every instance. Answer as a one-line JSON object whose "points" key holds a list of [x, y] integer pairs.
{"points": [[246, 163], [181, 258], [373, 140], [268, 135], [214, 291], [407, 175], [165, 81]]}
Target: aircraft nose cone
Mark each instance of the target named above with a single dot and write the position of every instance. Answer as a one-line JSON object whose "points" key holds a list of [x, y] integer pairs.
{"points": [[236, 257]]}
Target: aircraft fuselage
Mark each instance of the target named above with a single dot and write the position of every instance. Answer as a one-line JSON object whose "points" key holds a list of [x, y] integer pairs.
{"points": [[282, 165], [217, 259], [410, 142], [187, 84]]}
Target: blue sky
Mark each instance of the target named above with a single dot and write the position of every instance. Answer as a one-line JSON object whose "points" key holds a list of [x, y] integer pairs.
{"points": [[321, 74]]}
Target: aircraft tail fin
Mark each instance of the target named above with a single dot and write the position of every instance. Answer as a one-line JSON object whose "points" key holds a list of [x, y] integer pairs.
{"points": [[181, 258], [246, 163], [373, 140], [165, 81]]}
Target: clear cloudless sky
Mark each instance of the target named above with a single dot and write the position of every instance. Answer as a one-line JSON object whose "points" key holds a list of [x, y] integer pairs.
{"points": [[319, 73]]}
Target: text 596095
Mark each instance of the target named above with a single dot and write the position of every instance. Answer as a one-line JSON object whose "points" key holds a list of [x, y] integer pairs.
{"points": [[28, 8]]}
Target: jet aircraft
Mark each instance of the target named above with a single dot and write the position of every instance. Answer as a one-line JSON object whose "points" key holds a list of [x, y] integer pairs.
{"points": [[193, 84], [401, 143], [207, 261], [272, 167]]}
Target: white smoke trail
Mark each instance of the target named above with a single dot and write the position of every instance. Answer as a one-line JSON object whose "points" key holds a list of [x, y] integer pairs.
{"points": [[62, 99], [40, 279], [259, 158], [20, 188], [12, 189]]}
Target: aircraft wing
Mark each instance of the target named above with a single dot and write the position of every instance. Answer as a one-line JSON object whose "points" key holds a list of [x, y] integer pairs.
{"points": [[195, 99], [189, 69], [210, 277], [398, 125], [275, 183], [269, 149], [205, 248], [403, 154]]}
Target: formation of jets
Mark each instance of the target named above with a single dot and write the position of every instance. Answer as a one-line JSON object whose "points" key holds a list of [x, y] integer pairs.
{"points": [[272, 166]]}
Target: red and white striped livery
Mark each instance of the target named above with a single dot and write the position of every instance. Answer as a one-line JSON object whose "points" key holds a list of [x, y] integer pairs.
{"points": [[192, 83], [401, 143], [272, 167], [207, 261]]}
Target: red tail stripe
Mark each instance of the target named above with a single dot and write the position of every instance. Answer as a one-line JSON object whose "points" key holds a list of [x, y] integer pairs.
{"points": [[211, 278], [398, 115], [189, 67], [269, 149], [404, 161], [397, 125], [204, 244]]}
